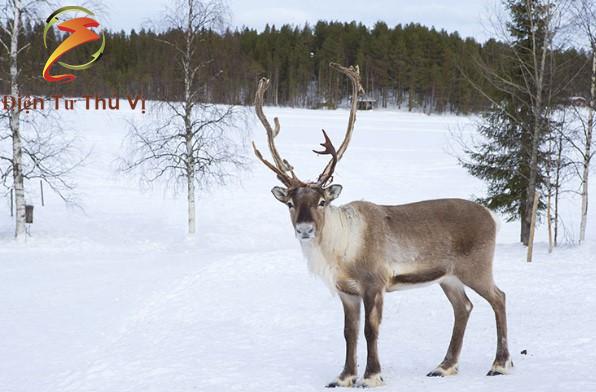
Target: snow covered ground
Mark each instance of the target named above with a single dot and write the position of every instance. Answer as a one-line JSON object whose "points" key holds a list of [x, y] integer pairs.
{"points": [[115, 297]]}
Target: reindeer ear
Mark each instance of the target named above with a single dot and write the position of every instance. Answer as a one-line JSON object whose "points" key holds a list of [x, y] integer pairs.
{"points": [[280, 193], [332, 192]]}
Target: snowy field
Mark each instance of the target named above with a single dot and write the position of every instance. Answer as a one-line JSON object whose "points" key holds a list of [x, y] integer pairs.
{"points": [[114, 297]]}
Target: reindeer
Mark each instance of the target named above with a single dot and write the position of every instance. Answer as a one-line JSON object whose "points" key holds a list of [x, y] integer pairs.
{"points": [[363, 250]]}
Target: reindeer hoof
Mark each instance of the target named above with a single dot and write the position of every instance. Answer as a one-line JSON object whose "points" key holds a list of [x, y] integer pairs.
{"points": [[500, 369], [347, 381], [371, 381], [441, 372]]}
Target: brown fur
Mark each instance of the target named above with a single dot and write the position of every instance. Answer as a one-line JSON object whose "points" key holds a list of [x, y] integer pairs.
{"points": [[420, 277]]}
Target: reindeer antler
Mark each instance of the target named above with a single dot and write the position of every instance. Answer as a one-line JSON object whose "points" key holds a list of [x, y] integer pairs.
{"points": [[281, 167], [329, 150], [354, 74]]}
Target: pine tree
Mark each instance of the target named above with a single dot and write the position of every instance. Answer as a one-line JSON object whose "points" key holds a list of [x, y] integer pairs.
{"points": [[502, 161]]}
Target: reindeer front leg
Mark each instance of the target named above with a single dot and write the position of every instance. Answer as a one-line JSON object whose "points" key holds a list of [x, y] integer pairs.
{"points": [[351, 304], [373, 309]]}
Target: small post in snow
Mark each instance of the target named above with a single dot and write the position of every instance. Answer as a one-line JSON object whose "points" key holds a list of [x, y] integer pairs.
{"points": [[533, 226], [41, 188]]}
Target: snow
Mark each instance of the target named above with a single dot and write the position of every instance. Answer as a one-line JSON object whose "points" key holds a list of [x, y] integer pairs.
{"points": [[115, 296]]}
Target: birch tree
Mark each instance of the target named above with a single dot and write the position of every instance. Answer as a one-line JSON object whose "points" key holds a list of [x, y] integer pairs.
{"points": [[39, 149], [585, 16], [12, 23], [189, 140]]}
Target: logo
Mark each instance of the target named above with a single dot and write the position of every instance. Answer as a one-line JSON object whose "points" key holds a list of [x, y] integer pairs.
{"points": [[79, 34]]}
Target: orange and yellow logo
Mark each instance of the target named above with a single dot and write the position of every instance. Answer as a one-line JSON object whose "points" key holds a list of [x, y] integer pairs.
{"points": [[79, 34]]}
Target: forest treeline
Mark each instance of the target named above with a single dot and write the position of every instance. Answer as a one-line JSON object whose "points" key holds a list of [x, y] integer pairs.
{"points": [[409, 66]]}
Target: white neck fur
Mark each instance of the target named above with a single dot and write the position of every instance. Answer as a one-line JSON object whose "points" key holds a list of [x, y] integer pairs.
{"points": [[338, 243]]}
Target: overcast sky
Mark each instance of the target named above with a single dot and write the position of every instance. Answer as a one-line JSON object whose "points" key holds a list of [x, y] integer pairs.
{"points": [[465, 16]]}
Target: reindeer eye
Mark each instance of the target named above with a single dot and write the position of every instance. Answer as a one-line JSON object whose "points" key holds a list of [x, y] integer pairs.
{"points": [[290, 204], [322, 203]]}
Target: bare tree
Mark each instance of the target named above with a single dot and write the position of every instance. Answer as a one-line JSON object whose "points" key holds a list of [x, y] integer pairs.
{"points": [[38, 146], [576, 141], [192, 141], [585, 16], [560, 166], [48, 153]]}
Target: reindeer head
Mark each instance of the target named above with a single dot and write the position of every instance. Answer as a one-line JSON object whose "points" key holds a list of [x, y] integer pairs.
{"points": [[306, 201]]}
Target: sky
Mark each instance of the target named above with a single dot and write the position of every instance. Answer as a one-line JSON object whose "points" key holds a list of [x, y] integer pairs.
{"points": [[468, 17]]}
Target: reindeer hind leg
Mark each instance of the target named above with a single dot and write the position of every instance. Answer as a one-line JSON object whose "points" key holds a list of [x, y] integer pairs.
{"points": [[462, 307], [496, 298]]}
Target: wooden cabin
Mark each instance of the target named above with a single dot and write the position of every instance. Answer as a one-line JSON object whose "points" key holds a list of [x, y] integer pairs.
{"points": [[578, 101], [366, 103]]}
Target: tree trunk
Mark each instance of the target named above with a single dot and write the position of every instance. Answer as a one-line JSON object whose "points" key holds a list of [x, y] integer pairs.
{"points": [[14, 124], [17, 170], [190, 175], [411, 98], [525, 226], [191, 202], [533, 175], [587, 154], [276, 85], [188, 109], [558, 186], [190, 171], [549, 222]]}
